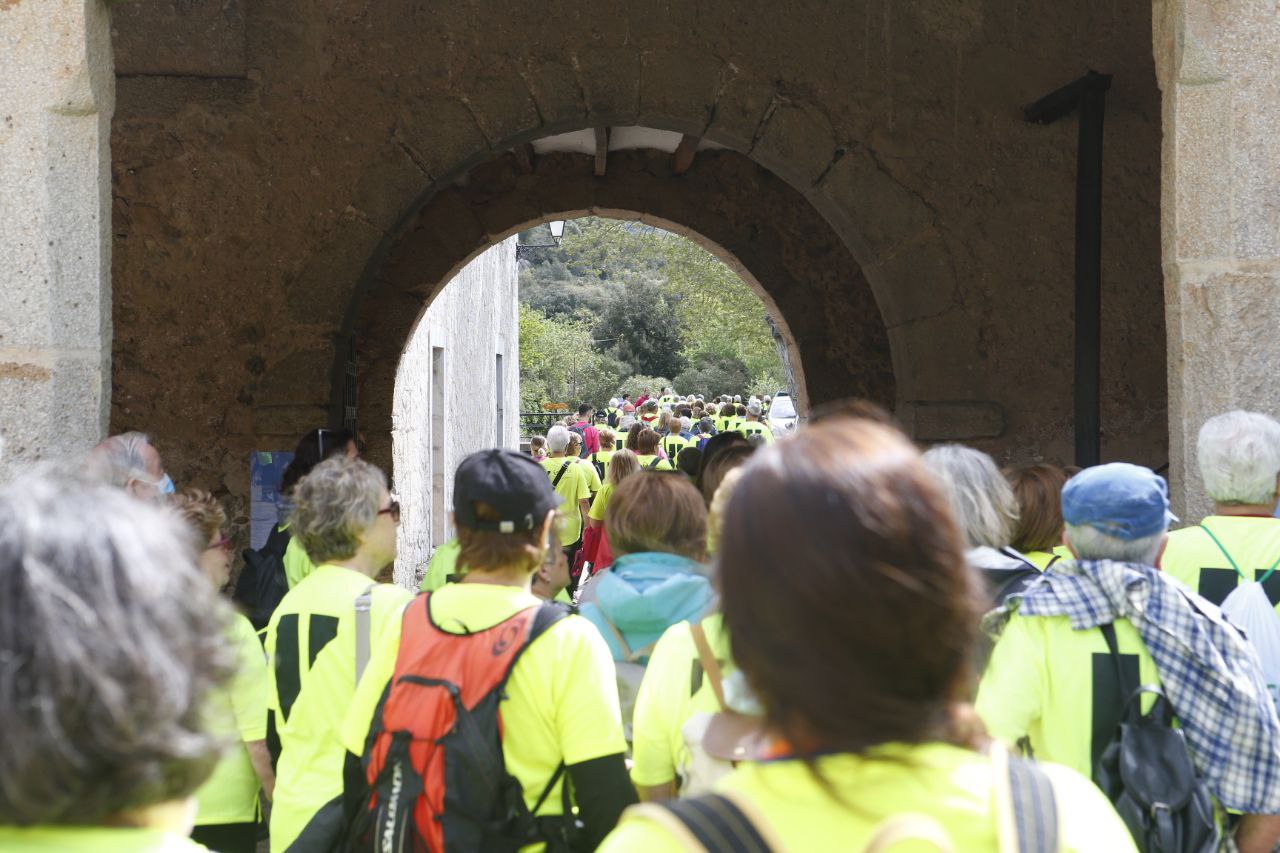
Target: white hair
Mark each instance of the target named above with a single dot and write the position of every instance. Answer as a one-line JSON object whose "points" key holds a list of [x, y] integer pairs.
{"points": [[1089, 543], [557, 439], [686, 424], [121, 458], [1239, 456], [981, 499]]}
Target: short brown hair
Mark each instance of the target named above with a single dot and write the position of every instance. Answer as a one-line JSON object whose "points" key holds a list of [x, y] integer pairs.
{"points": [[1038, 489], [489, 550], [202, 513], [657, 511], [646, 443]]}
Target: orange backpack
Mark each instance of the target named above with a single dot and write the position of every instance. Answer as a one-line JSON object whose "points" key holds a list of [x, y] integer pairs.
{"points": [[433, 759]]}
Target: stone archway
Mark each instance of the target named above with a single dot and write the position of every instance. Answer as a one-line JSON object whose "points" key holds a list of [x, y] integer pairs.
{"points": [[765, 230]]}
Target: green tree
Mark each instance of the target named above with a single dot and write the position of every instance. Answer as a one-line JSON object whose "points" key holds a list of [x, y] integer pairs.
{"points": [[643, 327], [719, 314], [559, 365], [712, 374]]}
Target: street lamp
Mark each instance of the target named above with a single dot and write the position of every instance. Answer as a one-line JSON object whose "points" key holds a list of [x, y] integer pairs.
{"points": [[524, 251]]}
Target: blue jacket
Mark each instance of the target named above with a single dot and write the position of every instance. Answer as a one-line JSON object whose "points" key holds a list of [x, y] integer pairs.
{"points": [[643, 595]]}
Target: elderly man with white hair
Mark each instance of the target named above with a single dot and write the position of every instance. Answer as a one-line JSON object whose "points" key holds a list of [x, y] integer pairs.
{"points": [[131, 462], [1239, 457], [1099, 633], [573, 484]]}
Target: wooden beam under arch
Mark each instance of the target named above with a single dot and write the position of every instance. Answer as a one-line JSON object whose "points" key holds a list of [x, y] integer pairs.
{"points": [[682, 159], [602, 150]]}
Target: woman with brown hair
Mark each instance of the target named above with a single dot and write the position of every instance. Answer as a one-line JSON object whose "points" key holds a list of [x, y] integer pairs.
{"points": [[648, 452], [853, 615], [657, 530], [1038, 533]]}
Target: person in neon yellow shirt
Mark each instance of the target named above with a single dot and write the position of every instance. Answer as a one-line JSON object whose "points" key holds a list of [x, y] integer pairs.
{"points": [[227, 813], [1043, 682], [313, 448], [560, 706], [346, 521], [600, 459], [855, 740], [627, 464], [647, 453], [754, 425], [1239, 458], [572, 483], [1037, 536], [113, 641]]}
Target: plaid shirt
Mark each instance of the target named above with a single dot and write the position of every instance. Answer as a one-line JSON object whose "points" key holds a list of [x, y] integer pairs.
{"points": [[1208, 670]]}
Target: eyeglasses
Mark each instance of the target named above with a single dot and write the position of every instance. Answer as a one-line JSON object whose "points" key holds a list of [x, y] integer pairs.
{"points": [[393, 510], [223, 544]]}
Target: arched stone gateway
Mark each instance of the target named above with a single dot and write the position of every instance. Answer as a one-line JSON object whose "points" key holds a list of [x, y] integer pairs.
{"points": [[761, 227], [270, 158]]}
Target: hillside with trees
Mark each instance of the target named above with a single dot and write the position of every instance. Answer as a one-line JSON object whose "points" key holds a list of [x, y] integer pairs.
{"points": [[627, 305]]}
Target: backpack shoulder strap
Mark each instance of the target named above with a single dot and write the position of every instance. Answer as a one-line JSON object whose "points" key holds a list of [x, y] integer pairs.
{"points": [[1223, 549], [712, 823], [710, 665], [1026, 808], [560, 473], [364, 606]]}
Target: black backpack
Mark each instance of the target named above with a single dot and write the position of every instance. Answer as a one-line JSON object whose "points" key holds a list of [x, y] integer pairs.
{"points": [[262, 582], [1147, 773]]}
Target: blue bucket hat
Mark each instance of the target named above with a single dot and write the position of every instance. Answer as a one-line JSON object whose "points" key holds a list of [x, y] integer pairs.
{"points": [[1121, 500]]}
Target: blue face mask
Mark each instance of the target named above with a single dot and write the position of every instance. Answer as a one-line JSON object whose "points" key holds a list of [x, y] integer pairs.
{"points": [[166, 485]]}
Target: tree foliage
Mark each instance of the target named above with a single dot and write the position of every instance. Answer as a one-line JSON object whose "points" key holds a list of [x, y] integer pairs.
{"points": [[629, 298], [558, 363]]}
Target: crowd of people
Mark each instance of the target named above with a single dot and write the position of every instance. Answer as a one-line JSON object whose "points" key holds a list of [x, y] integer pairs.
{"points": [[664, 628]]}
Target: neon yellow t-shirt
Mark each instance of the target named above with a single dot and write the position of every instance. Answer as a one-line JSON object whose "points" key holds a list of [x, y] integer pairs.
{"points": [[665, 703], [601, 503], [311, 644], [953, 786], [1044, 559], [1039, 683], [673, 444], [593, 476], [93, 839], [239, 712], [648, 463], [602, 458], [297, 565], [1254, 543], [444, 562], [574, 486], [750, 428], [561, 703]]}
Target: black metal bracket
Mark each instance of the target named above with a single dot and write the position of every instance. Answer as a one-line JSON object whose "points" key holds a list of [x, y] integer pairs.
{"points": [[1088, 95]]}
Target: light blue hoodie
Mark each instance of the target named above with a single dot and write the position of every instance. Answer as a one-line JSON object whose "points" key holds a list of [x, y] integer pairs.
{"points": [[643, 595]]}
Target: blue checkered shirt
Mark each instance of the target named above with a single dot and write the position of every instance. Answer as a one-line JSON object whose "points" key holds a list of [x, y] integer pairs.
{"points": [[1208, 670]]}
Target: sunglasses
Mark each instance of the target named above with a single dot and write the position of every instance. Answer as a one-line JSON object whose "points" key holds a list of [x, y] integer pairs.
{"points": [[393, 510]]}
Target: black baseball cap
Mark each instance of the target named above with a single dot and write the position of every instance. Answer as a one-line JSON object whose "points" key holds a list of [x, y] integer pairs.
{"points": [[510, 482]]}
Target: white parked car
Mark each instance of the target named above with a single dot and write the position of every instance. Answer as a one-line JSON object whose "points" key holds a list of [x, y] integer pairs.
{"points": [[782, 414]]}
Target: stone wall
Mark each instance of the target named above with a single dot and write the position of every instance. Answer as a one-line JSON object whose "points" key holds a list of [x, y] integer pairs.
{"points": [[269, 158], [474, 319], [57, 93], [1219, 67]]}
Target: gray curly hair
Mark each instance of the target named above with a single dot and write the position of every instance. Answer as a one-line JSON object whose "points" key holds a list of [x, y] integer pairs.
{"points": [[110, 642], [334, 505], [981, 499]]}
